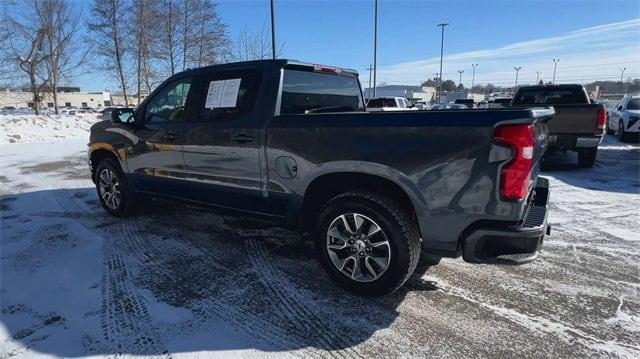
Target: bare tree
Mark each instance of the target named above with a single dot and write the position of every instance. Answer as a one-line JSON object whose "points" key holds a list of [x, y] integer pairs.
{"points": [[253, 45], [167, 48], [143, 14], [64, 56], [211, 36], [26, 47], [108, 28]]}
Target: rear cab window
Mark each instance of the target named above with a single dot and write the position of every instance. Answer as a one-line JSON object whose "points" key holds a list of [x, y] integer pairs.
{"points": [[306, 91], [550, 96], [381, 102]]}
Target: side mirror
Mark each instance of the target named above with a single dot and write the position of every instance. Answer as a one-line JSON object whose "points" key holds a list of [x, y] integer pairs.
{"points": [[122, 115], [619, 108]]}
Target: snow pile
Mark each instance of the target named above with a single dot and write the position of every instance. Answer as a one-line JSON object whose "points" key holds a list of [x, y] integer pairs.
{"points": [[27, 128]]}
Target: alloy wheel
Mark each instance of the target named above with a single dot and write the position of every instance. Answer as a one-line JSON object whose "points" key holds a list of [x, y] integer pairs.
{"points": [[358, 247], [110, 189]]}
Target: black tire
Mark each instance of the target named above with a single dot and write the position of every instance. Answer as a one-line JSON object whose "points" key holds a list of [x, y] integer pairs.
{"points": [[586, 158], [610, 131], [621, 134], [127, 203], [398, 226]]}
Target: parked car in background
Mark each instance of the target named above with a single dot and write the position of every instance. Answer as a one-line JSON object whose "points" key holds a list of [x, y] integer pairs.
{"points": [[389, 104], [105, 113], [469, 102], [499, 102], [449, 106], [624, 118], [578, 124], [292, 142], [421, 105]]}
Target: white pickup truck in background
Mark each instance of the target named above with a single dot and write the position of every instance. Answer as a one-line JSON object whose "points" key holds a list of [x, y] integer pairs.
{"points": [[390, 104]]}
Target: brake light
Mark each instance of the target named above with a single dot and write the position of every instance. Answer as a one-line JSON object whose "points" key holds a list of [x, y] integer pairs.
{"points": [[329, 69], [602, 119], [515, 176]]}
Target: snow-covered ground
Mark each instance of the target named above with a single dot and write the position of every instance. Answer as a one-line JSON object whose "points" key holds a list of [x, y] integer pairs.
{"points": [[182, 281], [28, 128]]}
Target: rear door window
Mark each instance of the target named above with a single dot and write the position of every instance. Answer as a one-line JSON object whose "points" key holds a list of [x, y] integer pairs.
{"points": [[312, 92], [227, 95]]}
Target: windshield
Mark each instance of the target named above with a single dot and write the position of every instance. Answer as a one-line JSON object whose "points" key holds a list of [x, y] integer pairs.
{"points": [[308, 92], [634, 104]]}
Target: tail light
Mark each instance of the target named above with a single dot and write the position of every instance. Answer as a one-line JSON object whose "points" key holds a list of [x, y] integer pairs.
{"points": [[515, 176], [602, 119]]}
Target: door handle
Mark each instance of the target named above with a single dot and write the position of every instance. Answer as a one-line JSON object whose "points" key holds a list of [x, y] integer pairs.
{"points": [[242, 138], [171, 137]]}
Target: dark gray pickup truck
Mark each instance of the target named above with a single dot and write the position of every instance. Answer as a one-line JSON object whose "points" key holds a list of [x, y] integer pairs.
{"points": [[578, 124], [292, 142]]}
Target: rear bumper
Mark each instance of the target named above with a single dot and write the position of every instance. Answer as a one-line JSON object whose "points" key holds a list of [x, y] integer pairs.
{"points": [[573, 141], [511, 244]]}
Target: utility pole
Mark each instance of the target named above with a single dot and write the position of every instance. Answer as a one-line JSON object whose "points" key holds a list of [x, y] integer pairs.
{"points": [[370, 68], [538, 76], [555, 65], [273, 32], [442, 25], [517, 70], [460, 72], [622, 70], [375, 45], [473, 77]]}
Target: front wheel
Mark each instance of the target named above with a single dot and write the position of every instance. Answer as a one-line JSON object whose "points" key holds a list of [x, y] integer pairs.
{"points": [[113, 191], [367, 243], [586, 158]]}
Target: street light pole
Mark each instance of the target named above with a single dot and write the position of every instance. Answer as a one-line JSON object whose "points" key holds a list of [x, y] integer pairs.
{"points": [[517, 70], [460, 81], [370, 68], [442, 25], [473, 77], [375, 46], [538, 76], [273, 33], [555, 65], [622, 70]]}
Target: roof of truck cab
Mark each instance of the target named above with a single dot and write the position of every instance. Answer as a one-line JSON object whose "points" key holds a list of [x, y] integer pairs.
{"points": [[281, 63]]}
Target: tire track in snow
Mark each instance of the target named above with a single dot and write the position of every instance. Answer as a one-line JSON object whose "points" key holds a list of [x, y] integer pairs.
{"points": [[292, 302], [124, 318]]}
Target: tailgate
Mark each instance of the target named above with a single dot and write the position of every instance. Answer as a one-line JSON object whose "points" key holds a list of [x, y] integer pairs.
{"points": [[574, 119]]}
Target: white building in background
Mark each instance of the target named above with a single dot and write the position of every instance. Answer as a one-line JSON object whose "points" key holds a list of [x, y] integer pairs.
{"points": [[67, 97], [414, 93]]}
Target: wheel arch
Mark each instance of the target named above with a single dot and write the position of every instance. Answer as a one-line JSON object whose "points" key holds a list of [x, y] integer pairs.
{"points": [[99, 152], [326, 186]]}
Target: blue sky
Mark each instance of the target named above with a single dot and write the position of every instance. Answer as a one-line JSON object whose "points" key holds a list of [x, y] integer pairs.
{"points": [[496, 34]]}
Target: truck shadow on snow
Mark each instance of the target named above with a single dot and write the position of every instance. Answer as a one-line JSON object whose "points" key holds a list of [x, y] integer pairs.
{"points": [[174, 279], [616, 168]]}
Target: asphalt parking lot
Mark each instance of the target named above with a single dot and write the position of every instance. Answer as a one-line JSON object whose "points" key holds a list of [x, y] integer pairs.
{"points": [[181, 281]]}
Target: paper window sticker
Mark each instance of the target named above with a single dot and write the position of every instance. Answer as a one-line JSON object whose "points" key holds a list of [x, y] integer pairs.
{"points": [[230, 93], [214, 94]]}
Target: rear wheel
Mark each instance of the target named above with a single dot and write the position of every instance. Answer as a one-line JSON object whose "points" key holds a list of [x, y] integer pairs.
{"points": [[367, 243], [586, 158], [113, 190]]}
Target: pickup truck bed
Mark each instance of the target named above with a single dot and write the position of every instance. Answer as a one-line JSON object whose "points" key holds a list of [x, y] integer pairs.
{"points": [[292, 142]]}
